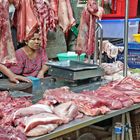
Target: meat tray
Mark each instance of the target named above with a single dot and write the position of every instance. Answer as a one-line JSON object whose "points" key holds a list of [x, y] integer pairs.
{"points": [[74, 70]]}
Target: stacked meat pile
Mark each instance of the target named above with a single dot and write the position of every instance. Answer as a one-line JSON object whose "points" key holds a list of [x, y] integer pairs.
{"points": [[40, 119], [8, 105], [21, 117]]}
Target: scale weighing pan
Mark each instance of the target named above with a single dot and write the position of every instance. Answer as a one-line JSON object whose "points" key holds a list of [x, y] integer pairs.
{"points": [[74, 70], [73, 65]]}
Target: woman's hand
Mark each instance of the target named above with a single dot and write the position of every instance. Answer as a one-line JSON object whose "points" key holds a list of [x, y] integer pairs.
{"points": [[17, 78], [40, 74], [42, 71]]}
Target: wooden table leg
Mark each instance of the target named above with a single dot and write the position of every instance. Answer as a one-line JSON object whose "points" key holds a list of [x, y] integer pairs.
{"points": [[129, 123]]}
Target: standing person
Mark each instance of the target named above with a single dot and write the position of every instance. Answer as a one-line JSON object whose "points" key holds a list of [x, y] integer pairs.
{"points": [[31, 59]]}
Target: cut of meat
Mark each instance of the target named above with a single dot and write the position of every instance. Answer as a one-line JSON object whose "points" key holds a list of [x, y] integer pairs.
{"points": [[68, 111], [52, 96], [86, 36], [41, 119], [112, 68], [10, 133], [84, 102], [70, 14], [54, 6], [104, 109], [41, 130], [65, 15], [114, 96], [19, 121], [82, 38], [103, 95], [7, 52], [136, 99], [9, 105], [34, 109]]}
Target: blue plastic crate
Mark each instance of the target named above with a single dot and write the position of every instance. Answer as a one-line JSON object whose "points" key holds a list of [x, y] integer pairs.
{"points": [[133, 55], [114, 28]]}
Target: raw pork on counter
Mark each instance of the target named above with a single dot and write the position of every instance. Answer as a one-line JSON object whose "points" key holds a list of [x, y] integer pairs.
{"points": [[40, 119], [111, 68], [86, 104], [9, 105], [68, 111], [31, 110], [10, 133]]}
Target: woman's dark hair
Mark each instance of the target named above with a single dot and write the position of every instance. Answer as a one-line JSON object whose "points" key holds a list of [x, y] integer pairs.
{"points": [[21, 44]]}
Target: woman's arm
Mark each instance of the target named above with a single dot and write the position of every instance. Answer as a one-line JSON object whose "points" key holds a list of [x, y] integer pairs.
{"points": [[12, 77], [42, 71]]}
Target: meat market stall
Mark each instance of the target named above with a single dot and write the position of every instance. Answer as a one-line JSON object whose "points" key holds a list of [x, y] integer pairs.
{"points": [[86, 120], [127, 101], [121, 98]]}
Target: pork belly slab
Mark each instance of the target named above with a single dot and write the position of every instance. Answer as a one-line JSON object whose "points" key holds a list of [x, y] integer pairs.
{"points": [[41, 130], [31, 110], [41, 119], [67, 110]]}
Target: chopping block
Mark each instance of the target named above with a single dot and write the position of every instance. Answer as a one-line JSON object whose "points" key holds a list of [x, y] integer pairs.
{"points": [[5, 84]]}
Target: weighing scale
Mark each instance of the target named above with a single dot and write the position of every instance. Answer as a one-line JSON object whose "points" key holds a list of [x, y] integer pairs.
{"points": [[74, 70]]}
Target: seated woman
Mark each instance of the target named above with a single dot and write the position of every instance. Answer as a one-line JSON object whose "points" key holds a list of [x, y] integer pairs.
{"points": [[31, 59]]}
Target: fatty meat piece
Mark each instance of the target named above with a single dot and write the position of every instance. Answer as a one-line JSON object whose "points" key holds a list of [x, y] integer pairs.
{"points": [[41, 130], [31, 110], [67, 110], [41, 119]]}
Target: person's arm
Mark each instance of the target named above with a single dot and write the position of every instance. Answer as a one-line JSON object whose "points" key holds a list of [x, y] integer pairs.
{"points": [[12, 77], [44, 67], [42, 71]]}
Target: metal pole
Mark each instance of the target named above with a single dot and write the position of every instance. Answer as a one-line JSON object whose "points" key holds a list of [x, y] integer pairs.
{"points": [[126, 37], [96, 44], [99, 29], [101, 44]]}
